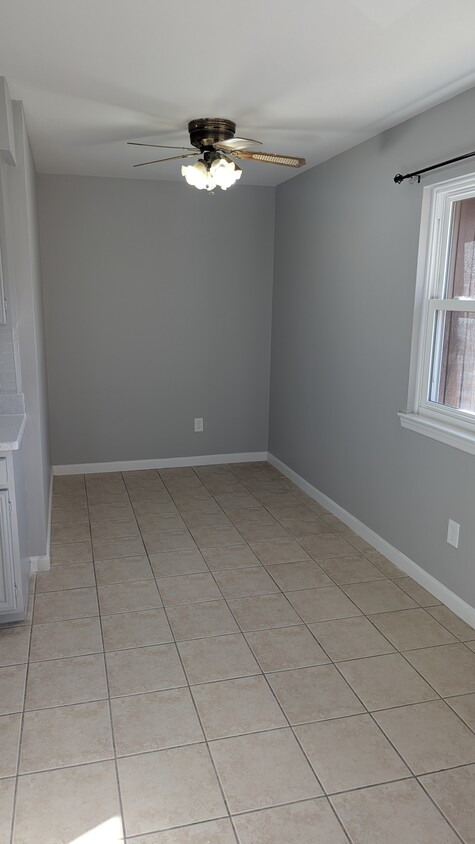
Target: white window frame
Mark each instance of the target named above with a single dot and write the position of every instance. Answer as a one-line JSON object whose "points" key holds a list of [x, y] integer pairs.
{"points": [[448, 425]]}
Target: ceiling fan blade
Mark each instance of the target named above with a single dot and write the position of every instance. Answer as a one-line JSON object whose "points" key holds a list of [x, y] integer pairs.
{"points": [[159, 146], [271, 158], [171, 158], [236, 144]]}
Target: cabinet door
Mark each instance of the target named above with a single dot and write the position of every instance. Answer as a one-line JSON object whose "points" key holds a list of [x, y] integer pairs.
{"points": [[3, 312], [7, 570]]}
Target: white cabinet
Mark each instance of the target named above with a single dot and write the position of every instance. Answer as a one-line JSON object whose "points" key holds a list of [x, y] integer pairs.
{"points": [[15, 565], [8, 588]]}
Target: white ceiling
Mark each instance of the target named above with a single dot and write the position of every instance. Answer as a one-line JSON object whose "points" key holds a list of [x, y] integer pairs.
{"points": [[306, 77]]}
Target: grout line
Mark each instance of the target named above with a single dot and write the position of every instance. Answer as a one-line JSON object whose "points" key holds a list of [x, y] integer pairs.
{"points": [[266, 680], [188, 686], [429, 795], [205, 741], [22, 721], [111, 723], [285, 716], [294, 803], [194, 703], [270, 689], [191, 826]]}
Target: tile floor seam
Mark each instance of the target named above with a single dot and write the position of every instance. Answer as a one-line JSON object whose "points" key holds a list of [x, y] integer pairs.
{"points": [[289, 725], [462, 641], [433, 647], [67, 767], [427, 792], [200, 638], [296, 540], [292, 668], [436, 697], [259, 732], [114, 748], [251, 733], [402, 758], [439, 695], [403, 654], [436, 807], [243, 597], [379, 728], [20, 738], [290, 536], [292, 726], [443, 770], [234, 735], [196, 713], [369, 618], [69, 589], [413, 772], [472, 729], [413, 648], [293, 731], [66, 705], [140, 836], [118, 758], [296, 737], [224, 598], [292, 803], [259, 673], [172, 606], [410, 776]]}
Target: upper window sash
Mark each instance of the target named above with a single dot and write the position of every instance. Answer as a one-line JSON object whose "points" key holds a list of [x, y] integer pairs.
{"points": [[440, 227]]}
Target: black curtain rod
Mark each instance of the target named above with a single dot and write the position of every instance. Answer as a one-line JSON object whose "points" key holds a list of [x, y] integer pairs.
{"points": [[398, 178]]}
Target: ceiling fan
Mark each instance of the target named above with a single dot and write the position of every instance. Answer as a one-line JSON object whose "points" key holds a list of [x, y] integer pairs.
{"points": [[213, 139]]}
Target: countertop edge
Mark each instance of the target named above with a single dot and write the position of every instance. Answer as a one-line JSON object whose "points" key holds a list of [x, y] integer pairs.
{"points": [[10, 439]]}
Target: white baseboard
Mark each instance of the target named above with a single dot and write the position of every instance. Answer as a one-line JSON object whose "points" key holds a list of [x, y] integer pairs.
{"points": [[43, 563], [407, 566], [164, 463], [40, 564]]}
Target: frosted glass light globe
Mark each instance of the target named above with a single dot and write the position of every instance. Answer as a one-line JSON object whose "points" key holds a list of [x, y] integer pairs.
{"points": [[225, 172]]}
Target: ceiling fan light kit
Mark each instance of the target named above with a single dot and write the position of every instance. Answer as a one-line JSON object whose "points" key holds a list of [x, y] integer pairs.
{"points": [[220, 172], [213, 137]]}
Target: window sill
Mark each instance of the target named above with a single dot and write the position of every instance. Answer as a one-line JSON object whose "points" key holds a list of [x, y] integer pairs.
{"points": [[444, 433]]}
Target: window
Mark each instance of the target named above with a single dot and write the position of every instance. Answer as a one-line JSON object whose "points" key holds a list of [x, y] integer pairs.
{"points": [[441, 400]]}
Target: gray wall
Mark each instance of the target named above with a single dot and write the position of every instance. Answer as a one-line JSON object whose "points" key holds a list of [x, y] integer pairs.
{"points": [[157, 310], [346, 243], [24, 284]]}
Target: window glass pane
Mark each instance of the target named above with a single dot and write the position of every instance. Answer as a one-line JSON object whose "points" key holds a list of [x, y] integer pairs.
{"points": [[461, 271], [453, 360]]}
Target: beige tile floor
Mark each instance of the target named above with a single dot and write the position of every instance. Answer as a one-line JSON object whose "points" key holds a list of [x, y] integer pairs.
{"points": [[214, 658]]}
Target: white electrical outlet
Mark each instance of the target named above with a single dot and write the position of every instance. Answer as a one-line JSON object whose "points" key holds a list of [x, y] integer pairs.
{"points": [[453, 533], [198, 424]]}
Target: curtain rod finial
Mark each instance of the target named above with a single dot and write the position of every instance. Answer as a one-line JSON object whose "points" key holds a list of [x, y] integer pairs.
{"points": [[398, 178]]}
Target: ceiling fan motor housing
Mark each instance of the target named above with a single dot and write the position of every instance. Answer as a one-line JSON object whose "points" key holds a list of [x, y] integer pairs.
{"points": [[207, 131]]}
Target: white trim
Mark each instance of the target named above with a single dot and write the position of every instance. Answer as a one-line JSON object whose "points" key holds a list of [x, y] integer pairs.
{"points": [[425, 260], [447, 434], [163, 463], [451, 426], [43, 563], [407, 566], [40, 564]]}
